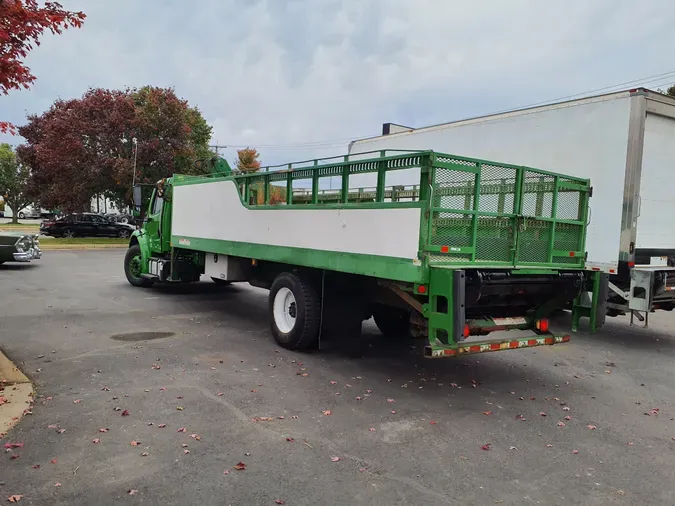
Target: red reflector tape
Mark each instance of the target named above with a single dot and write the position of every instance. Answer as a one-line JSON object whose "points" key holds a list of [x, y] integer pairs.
{"points": [[444, 249], [495, 346], [566, 339], [549, 340], [513, 344], [532, 342], [474, 349]]}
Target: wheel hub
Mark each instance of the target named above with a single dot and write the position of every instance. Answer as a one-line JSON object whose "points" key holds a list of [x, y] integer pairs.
{"points": [[285, 310]]}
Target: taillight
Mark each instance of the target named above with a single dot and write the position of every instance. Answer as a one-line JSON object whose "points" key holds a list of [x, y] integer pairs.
{"points": [[541, 325], [467, 330]]}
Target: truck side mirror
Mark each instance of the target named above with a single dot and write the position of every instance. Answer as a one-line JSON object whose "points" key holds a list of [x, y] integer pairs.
{"points": [[137, 198]]}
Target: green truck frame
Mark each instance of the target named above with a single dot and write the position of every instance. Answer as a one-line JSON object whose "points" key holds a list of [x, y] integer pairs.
{"points": [[475, 247]]}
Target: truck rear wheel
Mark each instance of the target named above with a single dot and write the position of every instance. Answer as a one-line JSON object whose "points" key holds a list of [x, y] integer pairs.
{"points": [[295, 310], [132, 267], [392, 321]]}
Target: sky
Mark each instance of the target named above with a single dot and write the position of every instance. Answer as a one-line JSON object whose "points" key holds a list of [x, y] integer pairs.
{"points": [[300, 79]]}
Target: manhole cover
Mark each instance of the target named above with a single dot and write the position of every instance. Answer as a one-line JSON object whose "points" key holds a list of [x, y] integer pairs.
{"points": [[141, 336]]}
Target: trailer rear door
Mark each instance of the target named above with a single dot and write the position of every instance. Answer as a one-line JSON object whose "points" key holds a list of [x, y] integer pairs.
{"points": [[657, 197]]}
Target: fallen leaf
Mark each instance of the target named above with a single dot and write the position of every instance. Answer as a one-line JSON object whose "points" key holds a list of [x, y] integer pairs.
{"points": [[372, 429], [186, 451], [512, 448], [574, 452], [105, 389], [333, 382], [125, 412], [36, 466], [161, 425], [14, 457], [103, 429], [485, 447], [362, 469], [295, 417], [347, 385], [144, 454], [179, 408], [240, 466], [196, 436], [163, 389], [254, 391], [290, 440], [182, 429], [57, 484], [61, 431], [390, 400], [77, 401], [549, 446], [487, 413], [13, 445], [54, 461], [520, 417], [156, 366], [358, 398], [630, 443], [568, 418], [281, 417], [132, 492], [542, 414], [393, 412], [369, 391], [432, 422], [220, 394], [454, 385], [334, 459], [327, 412], [184, 445], [52, 426], [591, 427], [226, 472], [135, 443], [566, 408], [561, 424], [653, 412], [14, 498], [96, 441], [279, 501], [179, 397]]}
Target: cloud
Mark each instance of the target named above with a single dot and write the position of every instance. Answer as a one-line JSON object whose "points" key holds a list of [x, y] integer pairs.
{"points": [[289, 74]]}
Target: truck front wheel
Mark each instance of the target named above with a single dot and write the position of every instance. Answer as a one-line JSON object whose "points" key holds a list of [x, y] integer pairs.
{"points": [[132, 267], [295, 310]]}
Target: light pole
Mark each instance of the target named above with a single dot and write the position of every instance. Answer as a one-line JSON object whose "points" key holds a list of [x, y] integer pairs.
{"points": [[135, 141]]}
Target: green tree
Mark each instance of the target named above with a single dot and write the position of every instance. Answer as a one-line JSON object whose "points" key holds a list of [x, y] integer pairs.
{"points": [[14, 177], [671, 91]]}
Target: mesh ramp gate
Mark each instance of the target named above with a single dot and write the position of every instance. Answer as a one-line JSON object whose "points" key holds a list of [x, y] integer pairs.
{"points": [[505, 215]]}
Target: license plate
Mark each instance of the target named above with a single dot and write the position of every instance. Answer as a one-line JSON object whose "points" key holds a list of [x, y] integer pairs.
{"points": [[518, 320]]}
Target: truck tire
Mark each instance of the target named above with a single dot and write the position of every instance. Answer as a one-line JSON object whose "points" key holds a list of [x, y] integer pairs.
{"points": [[392, 322], [295, 312], [132, 267]]}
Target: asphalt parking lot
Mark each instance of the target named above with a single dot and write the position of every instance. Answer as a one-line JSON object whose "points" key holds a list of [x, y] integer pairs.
{"points": [[204, 388]]}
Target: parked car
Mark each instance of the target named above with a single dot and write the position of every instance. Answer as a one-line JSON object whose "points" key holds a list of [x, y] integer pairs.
{"points": [[85, 225], [18, 247]]}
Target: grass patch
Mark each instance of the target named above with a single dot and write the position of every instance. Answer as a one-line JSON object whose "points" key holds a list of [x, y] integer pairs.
{"points": [[76, 242], [19, 225]]}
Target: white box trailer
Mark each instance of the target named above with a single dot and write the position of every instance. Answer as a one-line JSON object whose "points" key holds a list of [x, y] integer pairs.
{"points": [[623, 142]]}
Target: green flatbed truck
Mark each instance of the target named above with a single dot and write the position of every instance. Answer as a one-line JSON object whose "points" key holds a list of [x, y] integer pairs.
{"points": [[474, 247]]}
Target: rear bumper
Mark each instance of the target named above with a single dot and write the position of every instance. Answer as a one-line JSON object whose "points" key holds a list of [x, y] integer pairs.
{"points": [[438, 350]]}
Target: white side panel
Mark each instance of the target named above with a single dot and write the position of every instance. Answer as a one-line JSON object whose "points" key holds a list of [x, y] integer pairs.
{"points": [[587, 140], [657, 208], [214, 211]]}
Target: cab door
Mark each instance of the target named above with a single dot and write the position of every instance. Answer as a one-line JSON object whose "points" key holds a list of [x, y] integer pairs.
{"points": [[153, 222]]}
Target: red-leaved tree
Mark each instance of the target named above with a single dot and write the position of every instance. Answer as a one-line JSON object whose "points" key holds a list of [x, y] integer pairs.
{"points": [[22, 22], [85, 147]]}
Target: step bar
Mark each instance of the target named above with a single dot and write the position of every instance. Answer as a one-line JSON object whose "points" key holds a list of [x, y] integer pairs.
{"points": [[434, 350]]}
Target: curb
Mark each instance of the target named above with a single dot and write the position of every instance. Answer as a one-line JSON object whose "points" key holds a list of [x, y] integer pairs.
{"points": [[74, 247], [16, 395]]}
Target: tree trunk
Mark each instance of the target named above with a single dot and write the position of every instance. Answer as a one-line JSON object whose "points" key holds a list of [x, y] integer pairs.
{"points": [[15, 217]]}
